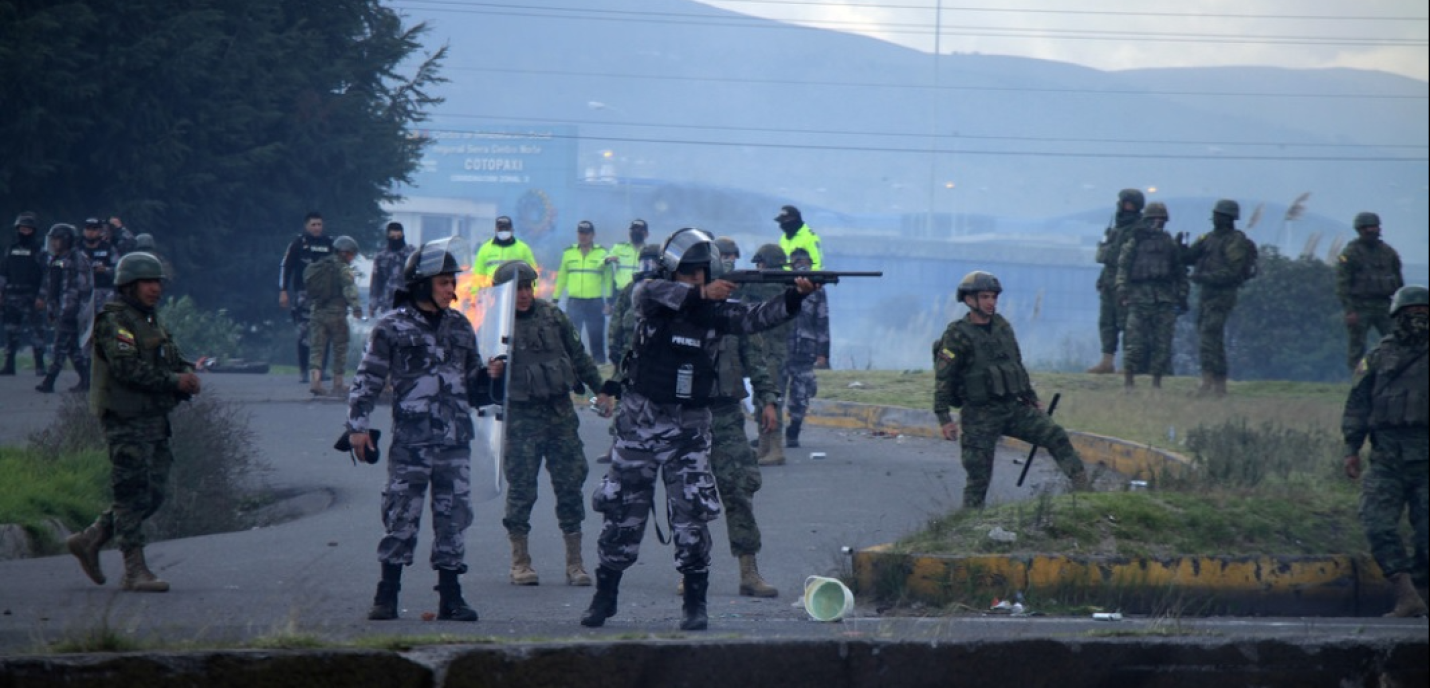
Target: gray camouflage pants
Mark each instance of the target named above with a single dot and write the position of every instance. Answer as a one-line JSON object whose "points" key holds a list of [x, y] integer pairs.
{"points": [[673, 441], [410, 470]]}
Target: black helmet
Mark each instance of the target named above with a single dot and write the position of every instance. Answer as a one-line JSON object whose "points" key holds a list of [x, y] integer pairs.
{"points": [[688, 247], [519, 270], [727, 246], [649, 260], [1227, 207], [441, 257], [138, 266], [978, 281], [771, 256], [144, 242], [63, 232], [1134, 196], [27, 219], [1409, 295], [1156, 210], [1366, 219], [345, 244]]}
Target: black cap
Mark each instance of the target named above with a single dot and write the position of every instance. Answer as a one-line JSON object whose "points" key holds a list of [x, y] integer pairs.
{"points": [[638, 224], [93, 222], [787, 213], [585, 226], [504, 221]]}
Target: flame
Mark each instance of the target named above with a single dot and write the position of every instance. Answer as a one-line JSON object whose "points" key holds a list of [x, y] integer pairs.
{"points": [[468, 285], [545, 284]]}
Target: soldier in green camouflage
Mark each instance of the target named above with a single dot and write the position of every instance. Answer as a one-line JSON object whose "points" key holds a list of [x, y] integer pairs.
{"points": [[1222, 260], [1111, 318], [978, 368], [1367, 274], [1389, 402], [139, 376], [547, 362], [332, 294], [1151, 281], [770, 445]]}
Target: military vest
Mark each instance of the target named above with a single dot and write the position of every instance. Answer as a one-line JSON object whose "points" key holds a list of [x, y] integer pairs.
{"points": [[24, 271], [1213, 257], [729, 372], [1374, 274], [669, 364], [1154, 257], [323, 282], [540, 367], [1398, 398], [995, 372], [155, 347], [103, 254]]}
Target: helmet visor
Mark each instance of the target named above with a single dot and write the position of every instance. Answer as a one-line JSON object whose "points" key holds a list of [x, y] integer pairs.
{"points": [[433, 260]]}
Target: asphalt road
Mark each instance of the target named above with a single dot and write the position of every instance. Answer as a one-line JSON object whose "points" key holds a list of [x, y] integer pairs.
{"points": [[315, 574]]}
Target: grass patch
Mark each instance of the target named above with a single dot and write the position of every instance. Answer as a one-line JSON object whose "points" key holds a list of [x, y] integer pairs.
{"points": [[71, 487]]}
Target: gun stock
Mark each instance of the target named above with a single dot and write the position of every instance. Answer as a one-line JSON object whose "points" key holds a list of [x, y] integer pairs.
{"points": [[789, 276]]}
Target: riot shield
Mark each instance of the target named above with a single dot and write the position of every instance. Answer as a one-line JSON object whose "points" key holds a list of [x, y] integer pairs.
{"points": [[88, 310], [496, 307]]}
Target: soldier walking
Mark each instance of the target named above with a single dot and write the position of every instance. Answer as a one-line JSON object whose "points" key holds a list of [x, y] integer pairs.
{"points": [[1151, 281], [1222, 260], [664, 424], [1111, 318], [307, 248], [332, 294], [546, 363], [808, 344], [1367, 275], [22, 274], [139, 377], [67, 291], [978, 367], [430, 352], [1389, 403]]}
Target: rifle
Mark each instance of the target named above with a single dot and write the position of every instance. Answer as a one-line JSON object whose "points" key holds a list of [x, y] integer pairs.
{"points": [[1052, 406], [789, 276]]}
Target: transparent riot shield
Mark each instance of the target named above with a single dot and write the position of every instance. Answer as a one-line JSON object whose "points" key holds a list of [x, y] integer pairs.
{"points": [[496, 308]]}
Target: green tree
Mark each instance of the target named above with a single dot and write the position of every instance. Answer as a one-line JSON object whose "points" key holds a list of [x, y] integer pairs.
{"points": [[1287, 323], [213, 125]]}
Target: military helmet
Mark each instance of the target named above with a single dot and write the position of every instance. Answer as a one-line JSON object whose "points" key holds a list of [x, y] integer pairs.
{"points": [[727, 246], [518, 270], [771, 256], [136, 266], [1155, 210], [145, 242], [441, 257], [978, 281], [63, 232], [27, 219], [1227, 207], [1134, 196], [1366, 219], [1409, 295], [345, 244], [689, 247]]}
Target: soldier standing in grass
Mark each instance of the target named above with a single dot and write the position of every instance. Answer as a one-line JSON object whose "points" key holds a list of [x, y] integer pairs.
{"points": [[1390, 403], [1222, 260], [1151, 281], [139, 376], [547, 363], [1367, 274], [1111, 317], [979, 368]]}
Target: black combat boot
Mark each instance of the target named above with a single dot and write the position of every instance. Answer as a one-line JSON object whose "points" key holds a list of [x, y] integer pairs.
{"points": [[303, 364], [451, 605], [83, 384], [792, 433], [9, 368], [603, 604], [384, 604], [48, 384], [696, 619]]}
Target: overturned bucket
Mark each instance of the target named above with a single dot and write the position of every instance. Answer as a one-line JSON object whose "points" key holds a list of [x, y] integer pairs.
{"points": [[827, 599]]}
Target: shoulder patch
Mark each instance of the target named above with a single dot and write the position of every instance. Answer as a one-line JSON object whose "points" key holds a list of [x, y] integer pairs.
{"points": [[125, 338], [1342, 258]]}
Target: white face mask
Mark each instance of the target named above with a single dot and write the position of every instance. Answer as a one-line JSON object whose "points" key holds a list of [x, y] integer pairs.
{"points": [[503, 234]]}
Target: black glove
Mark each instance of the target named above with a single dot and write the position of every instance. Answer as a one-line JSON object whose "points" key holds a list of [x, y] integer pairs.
{"points": [[373, 455]]}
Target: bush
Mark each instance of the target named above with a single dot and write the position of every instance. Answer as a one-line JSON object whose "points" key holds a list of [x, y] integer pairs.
{"points": [[199, 332], [1288, 323], [212, 478], [1235, 454]]}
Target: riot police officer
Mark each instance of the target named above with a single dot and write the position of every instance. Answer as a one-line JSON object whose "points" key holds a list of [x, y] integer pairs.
{"points": [[67, 293], [21, 274]]}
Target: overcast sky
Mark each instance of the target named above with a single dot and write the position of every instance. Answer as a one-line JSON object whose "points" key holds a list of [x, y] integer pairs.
{"points": [[1386, 35]]}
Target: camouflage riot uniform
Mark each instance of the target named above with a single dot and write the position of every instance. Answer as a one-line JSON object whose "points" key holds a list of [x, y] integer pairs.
{"points": [[331, 295], [67, 292], [1220, 264], [433, 362], [386, 277], [1367, 273], [1111, 317], [22, 272], [104, 255], [1389, 404], [546, 363], [808, 340], [979, 369], [1151, 281]]}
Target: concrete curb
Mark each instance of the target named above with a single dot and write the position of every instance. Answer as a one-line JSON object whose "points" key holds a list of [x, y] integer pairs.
{"points": [[1333, 585]]}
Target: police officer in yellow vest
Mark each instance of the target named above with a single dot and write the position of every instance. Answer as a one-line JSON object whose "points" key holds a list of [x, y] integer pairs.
{"points": [[139, 376], [797, 234], [585, 278], [502, 247], [624, 258]]}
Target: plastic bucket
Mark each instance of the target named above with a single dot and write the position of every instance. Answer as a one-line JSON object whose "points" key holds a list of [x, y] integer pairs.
{"points": [[827, 599]]}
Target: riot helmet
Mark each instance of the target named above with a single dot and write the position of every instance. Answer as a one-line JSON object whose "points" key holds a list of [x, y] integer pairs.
{"points": [[1133, 196], [1409, 295], [688, 248], [27, 219], [136, 266], [977, 281], [442, 257], [63, 232], [769, 257], [648, 261], [519, 270], [1366, 219], [1156, 210], [1227, 207], [345, 244]]}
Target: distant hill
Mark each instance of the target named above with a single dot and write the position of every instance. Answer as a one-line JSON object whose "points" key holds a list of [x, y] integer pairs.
{"points": [[693, 95]]}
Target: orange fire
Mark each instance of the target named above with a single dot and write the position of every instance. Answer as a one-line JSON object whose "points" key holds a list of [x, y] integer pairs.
{"points": [[468, 285]]}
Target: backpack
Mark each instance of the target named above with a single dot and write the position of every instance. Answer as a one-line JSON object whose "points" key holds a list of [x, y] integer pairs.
{"points": [[1249, 269]]}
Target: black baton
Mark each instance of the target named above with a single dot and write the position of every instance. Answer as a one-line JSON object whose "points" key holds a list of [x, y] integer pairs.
{"points": [[1052, 406]]}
